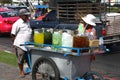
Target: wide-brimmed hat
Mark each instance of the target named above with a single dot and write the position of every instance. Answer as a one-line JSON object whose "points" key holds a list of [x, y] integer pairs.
{"points": [[89, 19], [23, 12]]}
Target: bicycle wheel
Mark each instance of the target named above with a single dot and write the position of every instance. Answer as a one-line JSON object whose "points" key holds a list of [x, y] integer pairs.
{"points": [[45, 69], [93, 76]]}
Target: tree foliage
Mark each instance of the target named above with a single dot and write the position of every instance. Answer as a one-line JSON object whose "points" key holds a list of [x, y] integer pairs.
{"points": [[5, 1], [46, 0]]}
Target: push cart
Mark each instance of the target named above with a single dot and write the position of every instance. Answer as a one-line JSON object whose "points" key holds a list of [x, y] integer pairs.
{"points": [[49, 64]]}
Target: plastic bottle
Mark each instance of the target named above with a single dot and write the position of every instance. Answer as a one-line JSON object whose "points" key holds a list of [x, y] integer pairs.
{"points": [[39, 36], [47, 37], [56, 39], [67, 41]]}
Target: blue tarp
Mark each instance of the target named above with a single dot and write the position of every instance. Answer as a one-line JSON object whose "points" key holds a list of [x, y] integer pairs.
{"points": [[40, 6]]}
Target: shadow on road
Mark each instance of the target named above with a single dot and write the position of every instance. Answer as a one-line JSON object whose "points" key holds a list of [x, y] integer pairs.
{"points": [[7, 35]]}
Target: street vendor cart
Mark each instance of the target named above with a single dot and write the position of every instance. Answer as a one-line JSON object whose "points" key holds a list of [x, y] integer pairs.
{"points": [[56, 59], [57, 64], [48, 64]]}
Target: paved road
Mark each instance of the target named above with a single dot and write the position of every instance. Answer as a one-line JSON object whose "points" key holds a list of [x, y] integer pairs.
{"points": [[6, 43], [107, 65]]}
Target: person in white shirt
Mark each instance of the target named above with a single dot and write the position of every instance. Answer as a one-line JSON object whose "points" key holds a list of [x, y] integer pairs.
{"points": [[21, 32]]}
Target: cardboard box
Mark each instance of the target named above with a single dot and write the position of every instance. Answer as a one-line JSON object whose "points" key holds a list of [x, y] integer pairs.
{"points": [[94, 43]]}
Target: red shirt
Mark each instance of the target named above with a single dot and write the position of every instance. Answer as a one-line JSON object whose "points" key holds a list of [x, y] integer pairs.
{"points": [[40, 17]]}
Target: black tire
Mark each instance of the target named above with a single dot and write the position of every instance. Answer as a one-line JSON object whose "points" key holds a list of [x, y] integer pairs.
{"points": [[45, 69], [93, 76]]}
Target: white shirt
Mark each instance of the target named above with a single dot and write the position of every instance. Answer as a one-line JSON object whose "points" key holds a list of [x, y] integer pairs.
{"points": [[23, 33]]}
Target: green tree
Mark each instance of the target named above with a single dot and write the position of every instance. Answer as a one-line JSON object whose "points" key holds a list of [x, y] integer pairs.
{"points": [[46, 0], [6, 1]]}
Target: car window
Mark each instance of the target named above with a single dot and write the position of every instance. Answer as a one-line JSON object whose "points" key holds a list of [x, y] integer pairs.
{"points": [[17, 7], [9, 14]]}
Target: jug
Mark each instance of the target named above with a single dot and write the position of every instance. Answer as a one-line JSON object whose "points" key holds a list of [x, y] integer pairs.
{"points": [[56, 39], [39, 36], [47, 36], [81, 42], [67, 40]]}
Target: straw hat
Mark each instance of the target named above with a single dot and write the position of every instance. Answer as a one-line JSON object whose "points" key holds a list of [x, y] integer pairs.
{"points": [[89, 19]]}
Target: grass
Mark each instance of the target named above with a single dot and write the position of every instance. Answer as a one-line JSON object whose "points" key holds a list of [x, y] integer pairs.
{"points": [[8, 58], [114, 9]]}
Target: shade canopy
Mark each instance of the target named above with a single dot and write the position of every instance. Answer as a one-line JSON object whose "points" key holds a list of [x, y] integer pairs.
{"points": [[40, 6]]}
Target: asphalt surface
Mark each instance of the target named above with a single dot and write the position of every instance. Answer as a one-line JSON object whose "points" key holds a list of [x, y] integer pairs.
{"points": [[108, 65]]}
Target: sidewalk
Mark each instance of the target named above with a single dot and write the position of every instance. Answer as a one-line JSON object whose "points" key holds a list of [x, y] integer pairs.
{"points": [[8, 72]]}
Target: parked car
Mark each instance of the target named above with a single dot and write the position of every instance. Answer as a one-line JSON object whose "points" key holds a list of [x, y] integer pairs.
{"points": [[17, 7], [7, 18]]}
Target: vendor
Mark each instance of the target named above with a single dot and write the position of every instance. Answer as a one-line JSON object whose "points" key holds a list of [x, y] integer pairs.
{"points": [[87, 27], [21, 32]]}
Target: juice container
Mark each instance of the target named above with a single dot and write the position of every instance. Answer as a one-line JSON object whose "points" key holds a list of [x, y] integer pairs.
{"points": [[67, 41], [47, 37], [38, 36], [80, 42], [56, 39]]}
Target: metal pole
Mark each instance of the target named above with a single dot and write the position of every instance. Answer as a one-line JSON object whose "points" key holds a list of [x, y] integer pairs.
{"points": [[27, 3], [38, 2], [109, 6]]}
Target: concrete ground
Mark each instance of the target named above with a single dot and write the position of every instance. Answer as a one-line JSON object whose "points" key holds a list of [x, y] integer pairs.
{"points": [[8, 72]]}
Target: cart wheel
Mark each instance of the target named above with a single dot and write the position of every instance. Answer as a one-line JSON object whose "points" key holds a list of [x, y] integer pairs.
{"points": [[93, 76], [45, 69]]}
